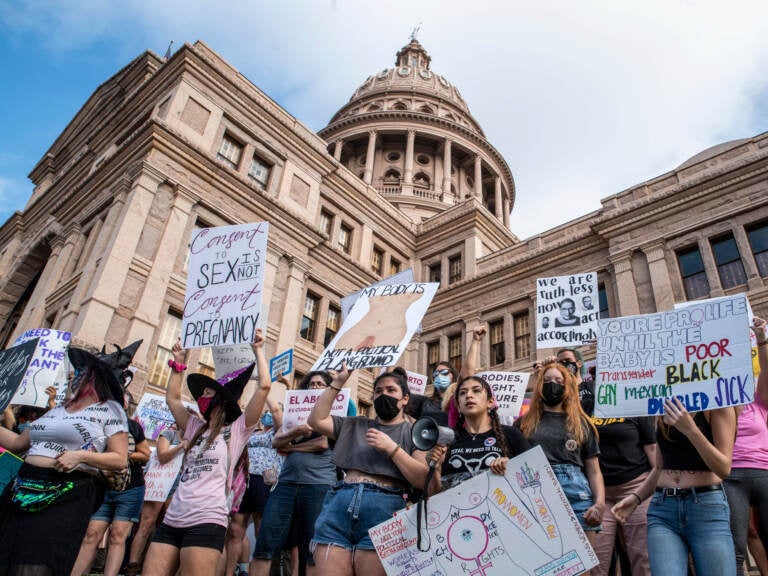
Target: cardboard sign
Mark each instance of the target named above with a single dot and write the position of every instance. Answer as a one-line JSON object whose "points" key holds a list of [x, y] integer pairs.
{"points": [[566, 310], [154, 415], [509, 392], [379, 327], [490, 525], [229, 361], [13, 367], [404, 277], [298, 404], [281, 364], [222, 305], [699, 354], [159, 478], [417, 383], [48, 367]]}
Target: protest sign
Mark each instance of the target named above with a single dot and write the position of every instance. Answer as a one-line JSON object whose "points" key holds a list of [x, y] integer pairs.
{"points": [[509, 392], [699, 354], [229, 361], [281, 364], [9, 467], [566, 310], [298, 404], [159, 478], [379, 326], [49, 365], [13, 367], [404, 277], [154, 415], [417, 383], [222, 305], [481, 526]]}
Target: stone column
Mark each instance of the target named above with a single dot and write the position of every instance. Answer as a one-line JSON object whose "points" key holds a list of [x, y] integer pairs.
{"points": [[368, 175], [625, 284], [505, 213], [410, 140], [152, 302], [293, 305], [750, 267], [337, 146], [497, 205], [478, 178], [660, 281], [447, 145], [710, 267]]}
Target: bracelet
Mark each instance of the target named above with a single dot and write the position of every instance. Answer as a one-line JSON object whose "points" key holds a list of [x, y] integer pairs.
{"points": [[636, 495], [175, 366], [763, 343], [392, 454]]}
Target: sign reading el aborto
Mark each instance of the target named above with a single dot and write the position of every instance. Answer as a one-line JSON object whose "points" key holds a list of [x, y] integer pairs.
{"points": [[225, 278], [699, 354]]}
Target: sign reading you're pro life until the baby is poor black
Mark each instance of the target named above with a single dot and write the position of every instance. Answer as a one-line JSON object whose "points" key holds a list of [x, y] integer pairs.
{"points": [[699, 354]]}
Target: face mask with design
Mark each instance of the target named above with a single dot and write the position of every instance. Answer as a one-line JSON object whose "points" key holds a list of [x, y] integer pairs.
{"points": [[441, 379], [386, 407], [552, 392], [203, 404], [266, 420], [572, 367], [23, 426]]}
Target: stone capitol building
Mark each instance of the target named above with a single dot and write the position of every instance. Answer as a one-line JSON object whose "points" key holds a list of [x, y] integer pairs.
{"points": [[401, 177]]}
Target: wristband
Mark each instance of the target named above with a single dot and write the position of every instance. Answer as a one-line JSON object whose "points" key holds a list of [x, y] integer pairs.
{"points": [[175, 366], [636, 495], [392, 454]]}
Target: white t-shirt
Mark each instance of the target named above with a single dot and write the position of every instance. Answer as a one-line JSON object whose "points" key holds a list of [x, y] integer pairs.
{"points": [[88, 429], [201, 497]]}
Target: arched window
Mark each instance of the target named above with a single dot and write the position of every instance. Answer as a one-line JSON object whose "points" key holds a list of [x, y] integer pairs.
{"points": [[426, 109], [421, 180], [391, 176], [399, 106]]}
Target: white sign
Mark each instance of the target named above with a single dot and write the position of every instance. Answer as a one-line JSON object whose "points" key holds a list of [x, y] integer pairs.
{"points": [[298, 404], [699, 354], [417, 383], [230, 361], [281, 364], [379, 327], [566, 310], [509, 392], [49, 366], [222, 305], [153, 414], [159, 478], [490, 525], [404, 277]]}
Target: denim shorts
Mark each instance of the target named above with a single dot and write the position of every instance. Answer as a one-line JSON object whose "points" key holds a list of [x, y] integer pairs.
{"points": [[124, 505], [576, 487], [200, 535], [350, 510]]}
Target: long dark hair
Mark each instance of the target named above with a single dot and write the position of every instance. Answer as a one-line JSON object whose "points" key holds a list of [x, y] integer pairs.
{"points": [[493, 413], [84, 381]]}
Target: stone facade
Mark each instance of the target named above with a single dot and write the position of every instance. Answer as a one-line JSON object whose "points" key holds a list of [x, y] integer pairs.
{"points": [[402, 177]]}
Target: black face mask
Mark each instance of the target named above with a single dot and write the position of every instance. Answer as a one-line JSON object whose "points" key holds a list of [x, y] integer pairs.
{"points": [[552, 392], [386, 407]]}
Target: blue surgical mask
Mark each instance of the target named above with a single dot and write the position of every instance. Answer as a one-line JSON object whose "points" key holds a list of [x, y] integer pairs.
{"points": [[267, 420], [23, 426], [441, 381]]}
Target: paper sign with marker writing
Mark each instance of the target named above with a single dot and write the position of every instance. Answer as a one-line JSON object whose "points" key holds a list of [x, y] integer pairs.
{"points": [[566, 310], [48, 366], [222, 304], [417, 383], [509, 392], [490, 525], [698, 353], [298, 404]]}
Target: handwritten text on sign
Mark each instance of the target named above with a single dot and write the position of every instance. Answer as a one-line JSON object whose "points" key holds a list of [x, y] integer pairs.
{"points": [[699, 354], [159, 478], [298, 404], [224, 285], [13, 365], [46, 368], [566, 310], [508, 391]]}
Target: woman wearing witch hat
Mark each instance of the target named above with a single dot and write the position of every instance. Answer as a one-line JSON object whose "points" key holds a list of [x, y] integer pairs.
{"points": [[45, 511], [192, 534]]}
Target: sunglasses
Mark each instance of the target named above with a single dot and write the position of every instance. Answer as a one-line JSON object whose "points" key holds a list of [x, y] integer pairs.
{"points": [[443, 372]]}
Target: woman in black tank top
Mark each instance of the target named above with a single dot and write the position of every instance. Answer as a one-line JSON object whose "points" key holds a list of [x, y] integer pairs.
{"points": [[689, 512]]}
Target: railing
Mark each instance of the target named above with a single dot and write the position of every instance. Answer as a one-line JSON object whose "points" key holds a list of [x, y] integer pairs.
{"points": [[418, 191]]}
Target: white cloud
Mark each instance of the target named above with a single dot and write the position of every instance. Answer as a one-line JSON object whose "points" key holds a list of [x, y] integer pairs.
{"points": [[582, 99]]}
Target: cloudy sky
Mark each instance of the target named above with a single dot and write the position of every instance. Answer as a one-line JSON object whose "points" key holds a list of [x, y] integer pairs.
{"points": [[583, 99]]}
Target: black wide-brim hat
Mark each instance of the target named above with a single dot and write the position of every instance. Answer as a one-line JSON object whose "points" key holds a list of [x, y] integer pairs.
{"points": [[82, 359], [229, 392]]}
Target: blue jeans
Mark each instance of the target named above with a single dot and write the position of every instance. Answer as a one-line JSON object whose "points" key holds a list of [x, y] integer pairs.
{"points": [[747, 487], [124, 505], [289, 503], [699, 524], [575, 485]]}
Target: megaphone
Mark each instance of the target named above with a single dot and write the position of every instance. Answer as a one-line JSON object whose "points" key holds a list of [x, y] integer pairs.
{"points": [[426, 433]]}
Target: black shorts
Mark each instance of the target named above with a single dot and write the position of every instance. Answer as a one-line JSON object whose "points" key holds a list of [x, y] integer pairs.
{"points": [[255, 497], [202, 535]]}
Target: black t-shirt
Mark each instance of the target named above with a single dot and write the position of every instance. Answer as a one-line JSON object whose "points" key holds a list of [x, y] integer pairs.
{"points": [[587, 396], [135, 436], [420, 406], [622, 457], [558, 445], [472, 454]]}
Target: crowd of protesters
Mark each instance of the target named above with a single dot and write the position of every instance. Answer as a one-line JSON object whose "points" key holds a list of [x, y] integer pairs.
{"points": [[663, 496]]}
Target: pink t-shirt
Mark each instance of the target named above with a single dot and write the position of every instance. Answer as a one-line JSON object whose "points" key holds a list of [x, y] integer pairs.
{"points": [[201, 497], [751, 448]]}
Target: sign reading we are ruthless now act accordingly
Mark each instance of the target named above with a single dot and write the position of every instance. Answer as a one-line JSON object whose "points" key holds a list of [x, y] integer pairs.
{"points": [[699, 354], [224, 285]]}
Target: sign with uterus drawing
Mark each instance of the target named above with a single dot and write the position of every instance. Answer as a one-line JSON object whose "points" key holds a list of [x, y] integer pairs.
{"points": [[378, 327]]}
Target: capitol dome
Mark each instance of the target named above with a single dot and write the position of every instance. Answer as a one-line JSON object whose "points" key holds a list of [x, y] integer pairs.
{"points": [[408, 132]]}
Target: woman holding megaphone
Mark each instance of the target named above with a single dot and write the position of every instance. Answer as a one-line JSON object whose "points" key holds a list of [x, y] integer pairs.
{"points": [[380, 463], [482, 442]]}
